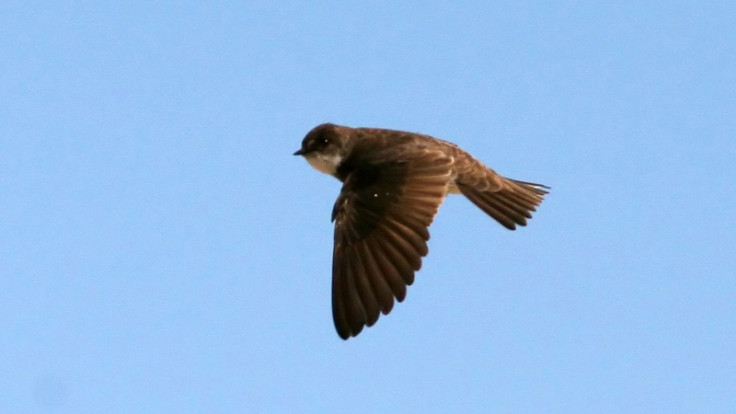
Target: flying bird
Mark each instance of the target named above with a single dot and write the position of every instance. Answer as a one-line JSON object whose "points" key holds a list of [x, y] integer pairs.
{"points": [[393, 185]]}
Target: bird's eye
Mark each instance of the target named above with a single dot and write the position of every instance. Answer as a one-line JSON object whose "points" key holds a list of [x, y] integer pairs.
{"points": [[321, 143]]}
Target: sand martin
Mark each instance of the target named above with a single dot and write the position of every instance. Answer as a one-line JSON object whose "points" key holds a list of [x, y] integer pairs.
{"points": [[393, 185]]}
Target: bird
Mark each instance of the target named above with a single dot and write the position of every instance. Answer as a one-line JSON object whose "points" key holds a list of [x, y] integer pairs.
{"points": [[393, 183]]}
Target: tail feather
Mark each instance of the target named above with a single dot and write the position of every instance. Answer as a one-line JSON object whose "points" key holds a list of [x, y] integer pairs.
{"points": [[511, 204]]}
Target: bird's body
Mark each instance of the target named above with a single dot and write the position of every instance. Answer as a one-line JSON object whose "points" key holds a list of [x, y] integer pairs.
{"points": [[393, 185]]}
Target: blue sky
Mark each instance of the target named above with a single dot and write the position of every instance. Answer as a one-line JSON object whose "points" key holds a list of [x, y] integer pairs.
{"points": [[162, 251]]}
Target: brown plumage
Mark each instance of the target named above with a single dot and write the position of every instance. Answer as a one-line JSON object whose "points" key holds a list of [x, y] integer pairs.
{"points": [[393, 185]]}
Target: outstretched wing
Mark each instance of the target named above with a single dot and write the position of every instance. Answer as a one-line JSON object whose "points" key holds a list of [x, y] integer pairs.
{"points": [[381, 220]]}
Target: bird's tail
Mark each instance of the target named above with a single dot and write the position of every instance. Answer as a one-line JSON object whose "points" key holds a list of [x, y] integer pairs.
{"points": [[511, 204]]}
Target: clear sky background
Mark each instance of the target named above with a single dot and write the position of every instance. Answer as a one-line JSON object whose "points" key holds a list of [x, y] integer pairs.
{"points": [[162, 251]]}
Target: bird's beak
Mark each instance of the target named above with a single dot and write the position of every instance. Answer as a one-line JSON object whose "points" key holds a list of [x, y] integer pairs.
{"points": [[300, 151]]}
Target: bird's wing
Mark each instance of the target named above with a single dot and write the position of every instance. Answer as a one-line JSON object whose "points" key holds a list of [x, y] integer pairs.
{"points": [[381, 220]]}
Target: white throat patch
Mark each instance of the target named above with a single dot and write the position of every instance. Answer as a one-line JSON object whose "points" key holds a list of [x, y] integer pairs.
{"points": [[324, 163]]}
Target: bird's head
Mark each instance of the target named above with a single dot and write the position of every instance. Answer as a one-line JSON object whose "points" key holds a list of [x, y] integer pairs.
{"points": [[324, 147]]}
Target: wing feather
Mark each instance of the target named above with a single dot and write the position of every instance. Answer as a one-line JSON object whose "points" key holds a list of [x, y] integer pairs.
{"points": [[381, 231]]}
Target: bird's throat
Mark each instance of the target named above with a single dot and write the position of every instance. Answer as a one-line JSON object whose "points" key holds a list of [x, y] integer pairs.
{"points": [[324, 163]]}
